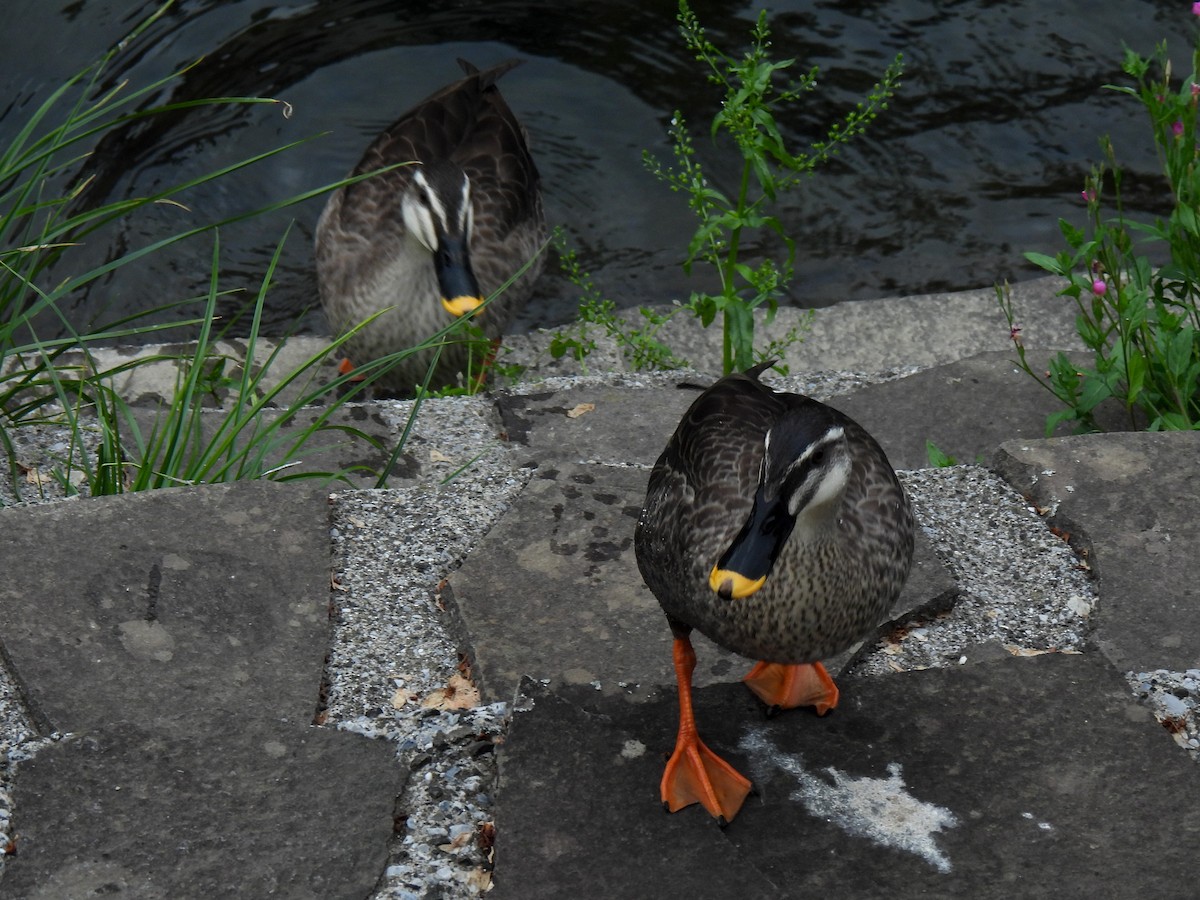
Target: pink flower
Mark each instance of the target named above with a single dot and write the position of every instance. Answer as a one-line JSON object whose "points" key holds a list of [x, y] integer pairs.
{"points": [[1196, 9], [1088, 195], [1177, 128], [1099, 288], [1195, 89]]}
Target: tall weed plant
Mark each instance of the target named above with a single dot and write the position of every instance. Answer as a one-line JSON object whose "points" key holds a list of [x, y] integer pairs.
{"points": [[1141, 323], [754, 91]]}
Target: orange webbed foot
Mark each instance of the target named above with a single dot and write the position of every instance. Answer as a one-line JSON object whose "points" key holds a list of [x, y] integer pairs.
{"points": [[783, 686], [695, 774]]}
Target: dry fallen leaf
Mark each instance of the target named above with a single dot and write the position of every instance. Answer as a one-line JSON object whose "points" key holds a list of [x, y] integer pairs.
{"points": [[438, 456], [459, 693], [580, 409], [1031, 651], [1024, 651], [487, 836], [34, 476], [457, 843], [402, 697], [480, 880]]}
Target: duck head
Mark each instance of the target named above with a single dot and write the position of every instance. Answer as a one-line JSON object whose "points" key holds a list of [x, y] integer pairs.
{"points": [[437, 212], [805, 467]]}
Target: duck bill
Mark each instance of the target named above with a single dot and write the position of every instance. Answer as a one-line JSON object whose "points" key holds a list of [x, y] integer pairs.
{"points": [[744, 567], [456, 279]]}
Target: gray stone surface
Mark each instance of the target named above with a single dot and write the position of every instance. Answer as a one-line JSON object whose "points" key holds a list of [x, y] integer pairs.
{"points": [[921, 330], [125, 607], [1036, 777], [965, 408], [579, 814], [247, 809], [624, 425], [180, 636], [1131, 502]]}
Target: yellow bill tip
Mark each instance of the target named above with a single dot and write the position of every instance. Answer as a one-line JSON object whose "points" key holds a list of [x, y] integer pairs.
{"points": [[732, 585], [460, 306]]}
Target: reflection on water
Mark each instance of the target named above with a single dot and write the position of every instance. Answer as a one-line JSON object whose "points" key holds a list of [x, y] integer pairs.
{"points": [[983, 149]]}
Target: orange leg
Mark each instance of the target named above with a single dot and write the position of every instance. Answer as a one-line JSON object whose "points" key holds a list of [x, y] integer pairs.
{"points": [[783, 686], [485, 366], [345, 367], [695, 774]]}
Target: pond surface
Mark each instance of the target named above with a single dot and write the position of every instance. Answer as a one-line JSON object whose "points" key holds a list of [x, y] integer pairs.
{"points": [[984, 147]]}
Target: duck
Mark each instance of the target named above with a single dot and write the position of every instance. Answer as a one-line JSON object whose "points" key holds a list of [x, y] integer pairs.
{"points": [[425, 244], [775, 526]]}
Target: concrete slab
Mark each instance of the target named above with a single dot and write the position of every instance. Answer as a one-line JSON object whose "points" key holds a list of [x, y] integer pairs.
{"points": [[1129, 501], [966, 408], [553, 591], [256, 809], [1034, 777], [611, 425], [576, 794], [891, 332], [168, 607]]}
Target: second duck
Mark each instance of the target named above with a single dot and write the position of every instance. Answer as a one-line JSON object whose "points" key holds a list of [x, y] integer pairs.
{"points": [[429, 242]]}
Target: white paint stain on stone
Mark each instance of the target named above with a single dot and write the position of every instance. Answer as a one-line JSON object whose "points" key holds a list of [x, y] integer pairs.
{"points": [[633, 750], [878, 809]]}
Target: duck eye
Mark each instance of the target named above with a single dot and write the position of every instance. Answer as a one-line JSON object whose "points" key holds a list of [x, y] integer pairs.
{"points": [[818, 458]]}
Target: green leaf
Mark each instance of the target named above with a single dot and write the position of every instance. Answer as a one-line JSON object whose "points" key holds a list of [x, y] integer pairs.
{"points": [[1094, 391], [1074, 236], [1056, 418], [1186, 216], [937, 457], [1179, 354], [1049, 263], [1135, 376], [705, 308]]}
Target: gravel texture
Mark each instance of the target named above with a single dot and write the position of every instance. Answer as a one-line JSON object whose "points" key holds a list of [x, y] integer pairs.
{"points": [[1021, 587], [394, 672]]}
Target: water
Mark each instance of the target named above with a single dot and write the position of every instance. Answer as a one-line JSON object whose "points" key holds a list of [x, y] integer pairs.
{"points": [[984, 148]]}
